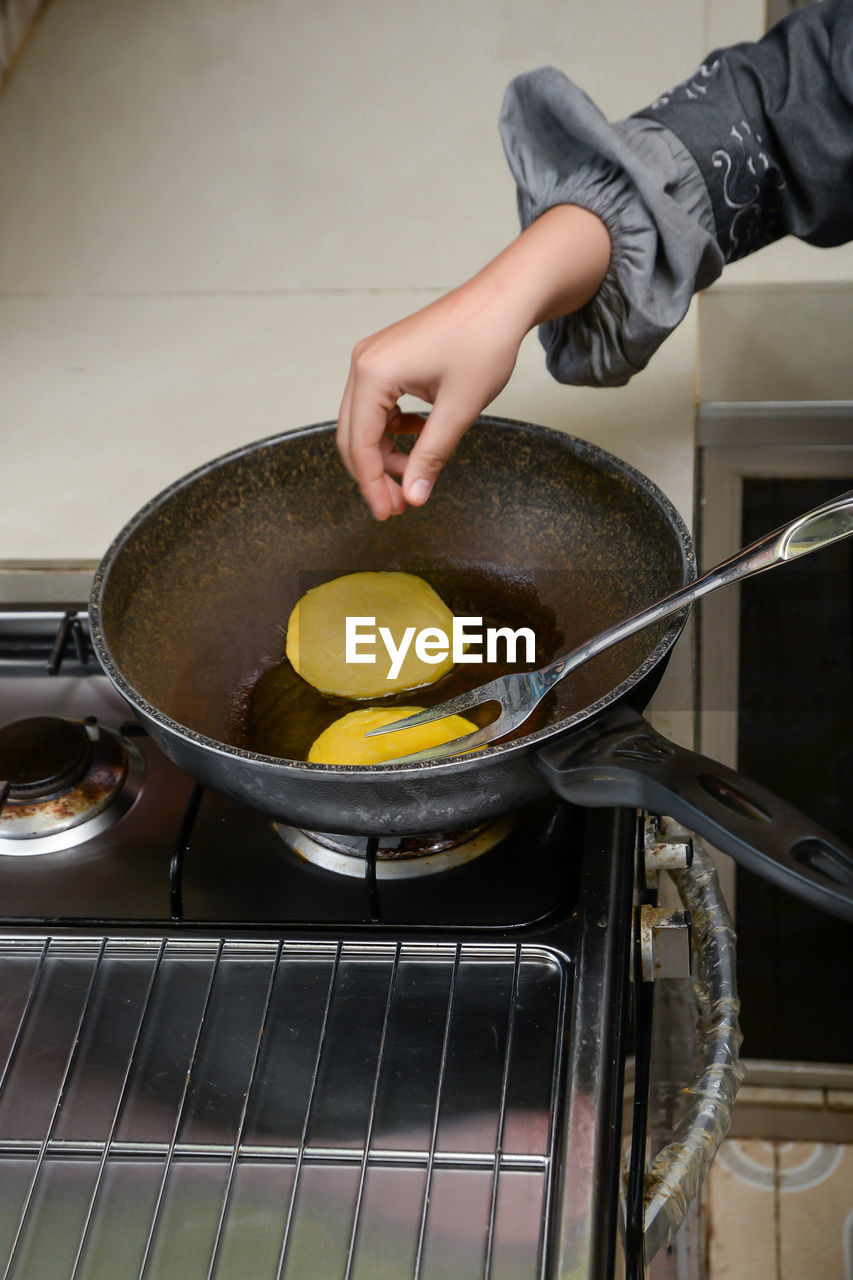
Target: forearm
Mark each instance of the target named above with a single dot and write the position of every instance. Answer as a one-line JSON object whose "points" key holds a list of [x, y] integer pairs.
{"points": [[552, 269]]}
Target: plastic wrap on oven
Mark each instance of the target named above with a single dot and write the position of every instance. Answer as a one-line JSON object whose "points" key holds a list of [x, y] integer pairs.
{"points": [[677, 1173]]}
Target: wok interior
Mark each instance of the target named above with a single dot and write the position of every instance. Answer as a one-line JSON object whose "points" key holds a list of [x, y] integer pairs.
{"points": [[527, 525]]}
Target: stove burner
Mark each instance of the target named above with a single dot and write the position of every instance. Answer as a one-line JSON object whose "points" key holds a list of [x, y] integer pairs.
{"points": [[43, 756], [67, 781], [397, 857]]}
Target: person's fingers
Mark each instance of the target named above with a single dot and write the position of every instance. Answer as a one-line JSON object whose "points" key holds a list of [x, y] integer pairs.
{"points": [[443, 430], [395, 494], [369, 409], [342, 436], [395, 464], [394, 459], [367, 417]]}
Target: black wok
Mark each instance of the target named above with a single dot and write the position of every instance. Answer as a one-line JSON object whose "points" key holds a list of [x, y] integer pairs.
{"points": [[188, 604]]}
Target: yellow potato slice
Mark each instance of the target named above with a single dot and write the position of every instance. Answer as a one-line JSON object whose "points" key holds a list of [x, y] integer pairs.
{"points": [[344, 741], [316, 633]]}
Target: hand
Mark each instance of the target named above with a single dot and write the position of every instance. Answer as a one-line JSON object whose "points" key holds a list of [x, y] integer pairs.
{"points": [[441, 355], [458, 353]]}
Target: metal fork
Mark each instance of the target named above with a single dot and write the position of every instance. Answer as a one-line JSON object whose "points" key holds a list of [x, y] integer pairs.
{"points": [[520, 693]]}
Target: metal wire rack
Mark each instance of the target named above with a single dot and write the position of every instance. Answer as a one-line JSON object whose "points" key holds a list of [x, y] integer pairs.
{"points": [[229, 1107]]}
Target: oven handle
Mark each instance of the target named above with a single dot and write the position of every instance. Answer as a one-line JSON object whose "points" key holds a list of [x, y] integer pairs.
{"points": [[678, 1171]]}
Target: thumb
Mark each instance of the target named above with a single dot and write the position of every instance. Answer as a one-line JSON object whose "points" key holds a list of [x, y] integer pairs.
{"points": [[441, 433]]}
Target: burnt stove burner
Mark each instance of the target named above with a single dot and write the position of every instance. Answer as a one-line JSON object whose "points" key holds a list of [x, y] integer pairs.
{"points": [[396, 857], [63, 782], [43, 756]]}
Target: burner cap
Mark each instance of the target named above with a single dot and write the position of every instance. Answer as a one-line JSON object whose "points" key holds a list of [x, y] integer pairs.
{"points": [[43, 755]]}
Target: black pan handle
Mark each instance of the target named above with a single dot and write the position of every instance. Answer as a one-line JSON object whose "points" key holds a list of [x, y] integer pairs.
{"points": [[621, 760]]}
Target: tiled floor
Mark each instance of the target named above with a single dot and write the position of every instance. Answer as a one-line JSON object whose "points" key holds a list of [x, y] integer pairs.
{"points": [[780, 1211]]}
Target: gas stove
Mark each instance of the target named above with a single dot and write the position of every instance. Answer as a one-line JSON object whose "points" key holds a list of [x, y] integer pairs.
{"points": [[98, 825], [230, 1047]]}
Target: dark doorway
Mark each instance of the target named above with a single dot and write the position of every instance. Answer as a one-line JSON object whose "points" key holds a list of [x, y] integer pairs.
{"points": [[795, 963]]}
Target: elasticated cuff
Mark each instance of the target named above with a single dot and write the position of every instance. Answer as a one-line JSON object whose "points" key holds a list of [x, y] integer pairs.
{"points": [[646, 188]]}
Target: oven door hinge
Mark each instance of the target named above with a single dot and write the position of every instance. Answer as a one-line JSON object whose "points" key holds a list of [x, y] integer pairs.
{"points": [[665, 943], [663, 932]]}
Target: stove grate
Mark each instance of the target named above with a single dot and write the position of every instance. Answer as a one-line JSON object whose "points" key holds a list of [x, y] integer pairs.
{"points": [[228, 1107]]}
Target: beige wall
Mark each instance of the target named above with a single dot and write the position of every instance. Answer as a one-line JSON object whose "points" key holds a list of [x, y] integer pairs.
{"points": [[204, 205], [779, 324]]}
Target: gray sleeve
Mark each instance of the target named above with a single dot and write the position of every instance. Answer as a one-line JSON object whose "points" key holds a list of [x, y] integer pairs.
{"points": [[648, 190], [770, 125], [757, 144]]}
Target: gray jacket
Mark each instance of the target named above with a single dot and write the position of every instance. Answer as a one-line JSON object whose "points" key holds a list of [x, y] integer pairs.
{"points": [[757, 144]]}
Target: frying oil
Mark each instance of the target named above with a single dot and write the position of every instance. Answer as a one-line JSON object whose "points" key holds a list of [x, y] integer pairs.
{"points": [[280, 714]]}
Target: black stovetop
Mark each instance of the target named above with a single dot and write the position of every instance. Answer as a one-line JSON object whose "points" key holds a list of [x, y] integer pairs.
{"points": [[184, 855]]}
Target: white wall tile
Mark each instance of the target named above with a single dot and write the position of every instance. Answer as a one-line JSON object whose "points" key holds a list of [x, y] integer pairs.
{"points": [[262, 145], [777, 342], [107, 400]]}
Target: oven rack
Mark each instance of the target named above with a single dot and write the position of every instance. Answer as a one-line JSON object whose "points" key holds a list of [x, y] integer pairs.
{"points": [[190, 1107]]}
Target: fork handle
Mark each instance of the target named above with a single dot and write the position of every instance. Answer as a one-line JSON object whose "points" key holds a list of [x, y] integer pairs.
{"points": [[816, 529], [621, 760]]}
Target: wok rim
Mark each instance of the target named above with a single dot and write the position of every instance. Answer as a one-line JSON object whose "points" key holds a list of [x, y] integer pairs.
{"points": [[583, 449]]}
